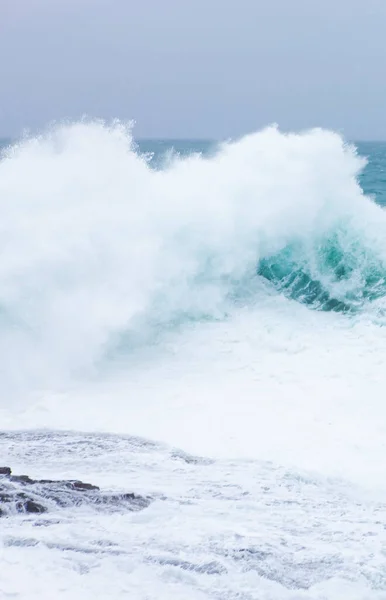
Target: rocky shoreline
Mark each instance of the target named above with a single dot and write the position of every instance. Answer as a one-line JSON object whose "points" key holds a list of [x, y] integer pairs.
{"points": [[21, 494]]}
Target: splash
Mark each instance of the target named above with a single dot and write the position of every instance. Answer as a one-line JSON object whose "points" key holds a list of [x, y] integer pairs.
{"points": [[100, 251]]}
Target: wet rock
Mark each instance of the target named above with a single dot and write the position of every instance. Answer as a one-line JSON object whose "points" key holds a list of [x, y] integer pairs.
{"points": [[79, 485], [21, 494], [30, 506], [21, 479], [72, 485]]}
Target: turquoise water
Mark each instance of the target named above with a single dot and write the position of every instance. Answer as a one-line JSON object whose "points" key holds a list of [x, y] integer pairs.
{"points": [[339, 257], [373, 179]]}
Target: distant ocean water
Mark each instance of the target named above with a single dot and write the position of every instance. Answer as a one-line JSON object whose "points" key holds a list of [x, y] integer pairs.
{"points": [[213, 316]]}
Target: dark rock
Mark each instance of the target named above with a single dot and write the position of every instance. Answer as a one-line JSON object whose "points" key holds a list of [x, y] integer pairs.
{"points": [[79, 485], [33, 507], [5, 471], [5, 498], [30, 506], [21, 494], [135, 501], [21, 479]]}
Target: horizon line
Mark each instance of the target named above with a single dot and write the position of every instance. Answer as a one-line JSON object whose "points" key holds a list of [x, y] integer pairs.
{"points": [[8, 138]]}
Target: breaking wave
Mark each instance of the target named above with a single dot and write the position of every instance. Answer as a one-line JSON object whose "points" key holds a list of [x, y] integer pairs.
{"points": [[99, 250]]}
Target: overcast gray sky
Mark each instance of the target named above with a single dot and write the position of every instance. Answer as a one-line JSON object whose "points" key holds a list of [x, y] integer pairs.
{"points": [[195, 68]]}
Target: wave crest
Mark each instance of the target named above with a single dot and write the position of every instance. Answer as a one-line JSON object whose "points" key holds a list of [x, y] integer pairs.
{"points": [[96, 244]]}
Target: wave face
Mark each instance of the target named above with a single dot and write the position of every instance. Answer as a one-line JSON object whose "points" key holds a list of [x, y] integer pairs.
{"points": [[338, 272], [101, 252]]}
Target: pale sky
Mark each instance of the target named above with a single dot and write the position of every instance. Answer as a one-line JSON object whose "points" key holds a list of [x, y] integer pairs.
{"points": [[195, 68]]}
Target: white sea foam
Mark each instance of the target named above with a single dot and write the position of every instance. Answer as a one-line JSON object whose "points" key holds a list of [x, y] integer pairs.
{"points": [[130, 303], [94, 243]]}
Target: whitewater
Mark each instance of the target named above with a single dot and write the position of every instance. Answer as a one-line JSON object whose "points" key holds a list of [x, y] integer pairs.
{"points": [[208, 330]]}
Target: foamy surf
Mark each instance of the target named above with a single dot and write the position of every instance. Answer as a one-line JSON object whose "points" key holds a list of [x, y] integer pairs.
{"points": [[230, 306]]}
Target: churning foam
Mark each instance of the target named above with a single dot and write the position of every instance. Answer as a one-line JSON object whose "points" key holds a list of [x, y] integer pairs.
{"points": [[103, 256]]}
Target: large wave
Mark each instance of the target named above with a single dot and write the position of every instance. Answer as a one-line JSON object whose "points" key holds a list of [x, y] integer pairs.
{"points": [[98, 249]]}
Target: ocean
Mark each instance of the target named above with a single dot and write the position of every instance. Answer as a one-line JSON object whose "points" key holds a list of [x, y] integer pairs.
{"points": [[201, 324]]}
